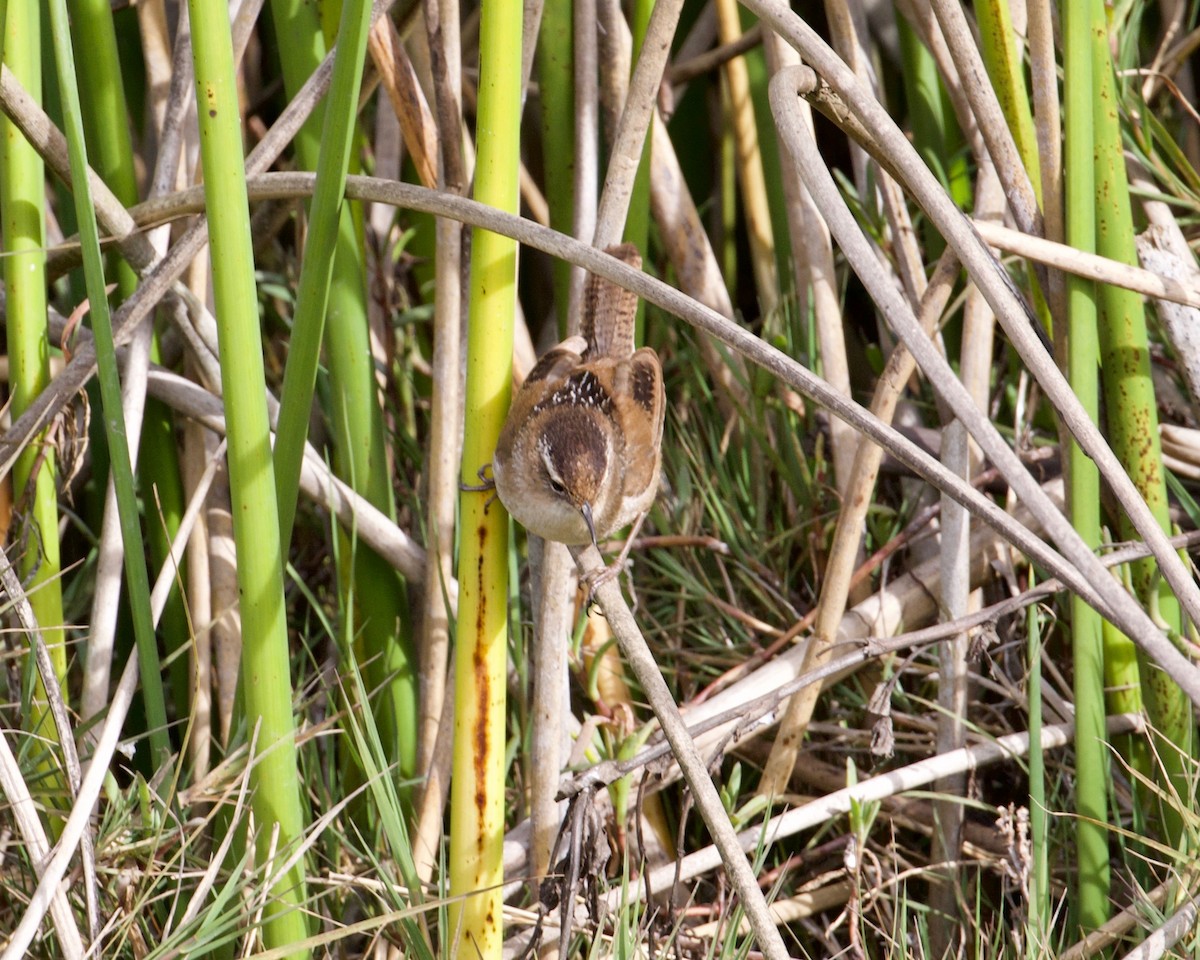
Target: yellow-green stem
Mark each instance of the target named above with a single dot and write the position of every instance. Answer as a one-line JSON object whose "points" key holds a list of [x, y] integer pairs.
{"points": [[1001, 51], [22, 238], [477, 792]]}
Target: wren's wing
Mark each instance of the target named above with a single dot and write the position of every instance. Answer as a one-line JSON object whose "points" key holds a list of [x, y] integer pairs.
{"points": [[609, 311], [642, 424]]}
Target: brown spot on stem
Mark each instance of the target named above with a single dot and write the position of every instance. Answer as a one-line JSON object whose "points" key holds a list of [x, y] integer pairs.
{"points": [[483, 688], [481, 610]]}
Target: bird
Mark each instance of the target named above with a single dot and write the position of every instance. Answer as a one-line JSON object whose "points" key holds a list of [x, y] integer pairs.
{"points": [[580, 454]]}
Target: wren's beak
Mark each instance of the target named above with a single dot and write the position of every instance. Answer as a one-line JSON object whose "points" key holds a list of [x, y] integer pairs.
{"points": [[586, 510]]}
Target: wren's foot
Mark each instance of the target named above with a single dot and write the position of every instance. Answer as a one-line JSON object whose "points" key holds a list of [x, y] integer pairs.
{"points": [[485, 484], [594, 581]]}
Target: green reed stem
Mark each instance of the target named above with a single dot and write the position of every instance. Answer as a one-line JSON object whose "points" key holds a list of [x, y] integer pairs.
{"points": [[110, 392], [265, 680], [556, 80], [316, 274], [1132, 413], [22, 236], [477, 786], [1001, 52], [1091, 901], [106, 130], [375, 602]]}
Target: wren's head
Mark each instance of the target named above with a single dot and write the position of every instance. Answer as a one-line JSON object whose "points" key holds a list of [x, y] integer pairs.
{"points": [[574, 452], [554, 473]]}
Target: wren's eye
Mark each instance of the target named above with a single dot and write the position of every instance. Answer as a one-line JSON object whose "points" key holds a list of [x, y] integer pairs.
{"points": [[557, 487]]}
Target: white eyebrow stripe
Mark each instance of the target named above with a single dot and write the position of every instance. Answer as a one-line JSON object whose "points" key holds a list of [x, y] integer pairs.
{"points": [[545, 450]]}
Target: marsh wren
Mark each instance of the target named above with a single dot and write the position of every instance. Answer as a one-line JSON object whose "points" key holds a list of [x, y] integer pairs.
{"points": [[581, 451]]}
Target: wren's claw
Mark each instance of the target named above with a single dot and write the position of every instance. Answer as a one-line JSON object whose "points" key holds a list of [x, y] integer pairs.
{"points": [[485, 484], [598, 578]]}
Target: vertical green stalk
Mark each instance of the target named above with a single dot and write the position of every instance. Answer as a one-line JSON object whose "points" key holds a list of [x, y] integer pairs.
{"points": [[637, 220], [1002, 57], [477, 785], [377, 622], [1132, 412], [308, 325], [1037, 935], [22, 232], [936, 135], [110, 391], [380, 626], [1091, 758], [102, 96], [265, 681], [1002, 51], [106, 129], [556, 80]]}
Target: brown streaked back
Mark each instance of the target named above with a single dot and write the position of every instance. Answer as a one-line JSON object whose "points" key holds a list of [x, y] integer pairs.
{"points": [[558, 361], [609, 311]]}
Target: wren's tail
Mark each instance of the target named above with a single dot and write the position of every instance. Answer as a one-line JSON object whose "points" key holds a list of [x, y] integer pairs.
{"points": [[609, 311]]}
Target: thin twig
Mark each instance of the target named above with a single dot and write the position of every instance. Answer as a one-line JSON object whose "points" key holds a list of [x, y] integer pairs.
{"points": [[645, 668], [681, 72], [630, 137], [33, 834], [442, 22], [585, 181], [1088, 265]]}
